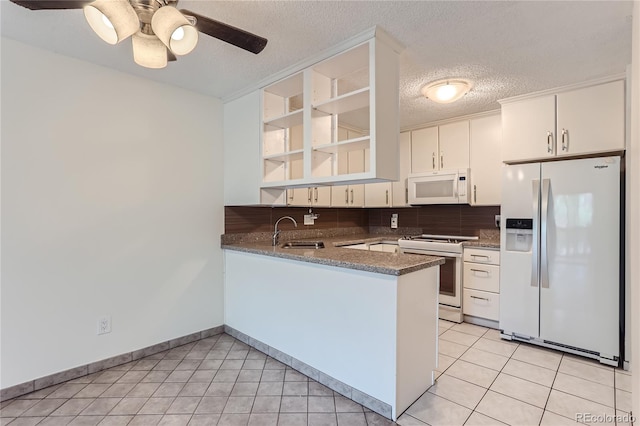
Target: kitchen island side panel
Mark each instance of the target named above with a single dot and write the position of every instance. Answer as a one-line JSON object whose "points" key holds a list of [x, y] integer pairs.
{"points": [[417, 334], [339, 321]]}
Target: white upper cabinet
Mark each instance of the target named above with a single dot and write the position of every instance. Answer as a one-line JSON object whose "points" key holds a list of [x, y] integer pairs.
{"points": [[349, 162], [453, 141], [485, 141], [442, 147], [528, 129], [591, 120], [377, 194], [399, 188], [357, 89], [424, 150], [576, 122]]}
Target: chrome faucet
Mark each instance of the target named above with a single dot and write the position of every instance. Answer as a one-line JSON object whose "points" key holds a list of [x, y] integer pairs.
{"points": [[276, 233]]}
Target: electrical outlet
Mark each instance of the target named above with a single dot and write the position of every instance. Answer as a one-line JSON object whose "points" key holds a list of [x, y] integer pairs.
{"points": [[104, 324], [309, 219], [394, 221]]}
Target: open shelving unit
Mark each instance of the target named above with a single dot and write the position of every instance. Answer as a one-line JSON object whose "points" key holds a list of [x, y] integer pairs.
{"points": [[355, 89], [282, 123]]}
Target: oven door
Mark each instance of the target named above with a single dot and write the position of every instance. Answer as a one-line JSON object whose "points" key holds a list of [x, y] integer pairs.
{"points": [[450, 276]]}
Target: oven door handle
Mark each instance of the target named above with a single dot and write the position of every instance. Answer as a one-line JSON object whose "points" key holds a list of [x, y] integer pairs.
{"points": [[429, 252]]}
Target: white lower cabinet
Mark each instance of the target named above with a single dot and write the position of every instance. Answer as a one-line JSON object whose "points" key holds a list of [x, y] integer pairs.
{"points": [[481, 285], [481, 304]]}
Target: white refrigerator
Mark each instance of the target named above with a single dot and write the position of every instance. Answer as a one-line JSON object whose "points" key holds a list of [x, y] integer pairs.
{"points": [[560, 243]]}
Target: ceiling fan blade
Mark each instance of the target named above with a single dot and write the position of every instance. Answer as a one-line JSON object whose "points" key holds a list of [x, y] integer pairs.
{"points": [[52, 4], [240, 38]]}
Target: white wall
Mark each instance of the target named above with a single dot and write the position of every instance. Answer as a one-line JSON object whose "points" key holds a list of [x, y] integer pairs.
{"points": [[112, 203]]}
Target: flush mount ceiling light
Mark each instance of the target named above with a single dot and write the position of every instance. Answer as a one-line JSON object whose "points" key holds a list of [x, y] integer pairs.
{"points": [[447, 91], [157, 29]]}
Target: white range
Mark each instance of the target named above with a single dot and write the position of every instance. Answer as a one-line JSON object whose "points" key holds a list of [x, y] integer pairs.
{"points": [[449, 247]]}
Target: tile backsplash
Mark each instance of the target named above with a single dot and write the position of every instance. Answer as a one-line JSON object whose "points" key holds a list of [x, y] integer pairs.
{"points": [[454, 219], [436, 219]]}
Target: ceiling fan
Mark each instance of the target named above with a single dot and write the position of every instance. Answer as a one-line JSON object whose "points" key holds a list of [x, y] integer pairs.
{"points": [[158, 30]]}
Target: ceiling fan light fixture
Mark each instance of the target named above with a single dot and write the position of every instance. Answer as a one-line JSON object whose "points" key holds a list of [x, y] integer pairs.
{"points": [[112, 20], [174, 30], [447, 91], [148, 51]]}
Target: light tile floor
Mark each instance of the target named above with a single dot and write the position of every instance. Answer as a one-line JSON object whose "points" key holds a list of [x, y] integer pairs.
{"points": [[219, 380], [483, 380]]}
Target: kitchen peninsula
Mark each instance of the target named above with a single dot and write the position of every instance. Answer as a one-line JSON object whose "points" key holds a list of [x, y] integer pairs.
{"points": [[362, 323]]}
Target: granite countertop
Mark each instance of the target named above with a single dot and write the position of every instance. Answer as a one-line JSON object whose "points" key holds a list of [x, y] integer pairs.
{"points": [[335, 255], [490, 243]]}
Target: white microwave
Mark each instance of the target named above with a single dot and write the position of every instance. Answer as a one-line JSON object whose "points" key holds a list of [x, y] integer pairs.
{"points": [[439, 187]]}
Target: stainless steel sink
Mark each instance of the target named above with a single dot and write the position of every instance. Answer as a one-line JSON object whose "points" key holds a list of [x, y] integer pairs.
{"points": [[304, 245]]}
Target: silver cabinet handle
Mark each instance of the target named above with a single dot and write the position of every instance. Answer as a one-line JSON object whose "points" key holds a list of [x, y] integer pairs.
{"points": [[544, 222], [406, 195], [433, 160], [549, 142], [352, 196], [316, 194], [475, 194], [481, 270], [386, 196], [481, 256], [441, 160], [565, 140], [535, 186], [309, 194], [346, 195], [479, 298]]}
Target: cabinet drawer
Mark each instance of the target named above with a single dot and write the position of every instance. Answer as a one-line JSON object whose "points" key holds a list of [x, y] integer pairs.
{"points": [[491, 257], [481, 277], [481, 304]]}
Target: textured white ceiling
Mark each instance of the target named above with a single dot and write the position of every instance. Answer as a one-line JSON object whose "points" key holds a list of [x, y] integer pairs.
{"points": [[505, 48]]}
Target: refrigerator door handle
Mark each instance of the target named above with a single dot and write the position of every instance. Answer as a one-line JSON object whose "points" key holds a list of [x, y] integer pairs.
{"points": [[544, 219], [535, 186]]}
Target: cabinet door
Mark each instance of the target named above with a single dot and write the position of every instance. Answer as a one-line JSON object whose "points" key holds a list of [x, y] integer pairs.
{"points": [[299, 197], [591, 120], [356, 161], [453, 141], [321, 196], [340, 196], [484, 160], [356, 195], [528, 129], [399, 188], [377, 194], [424, 150]]}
